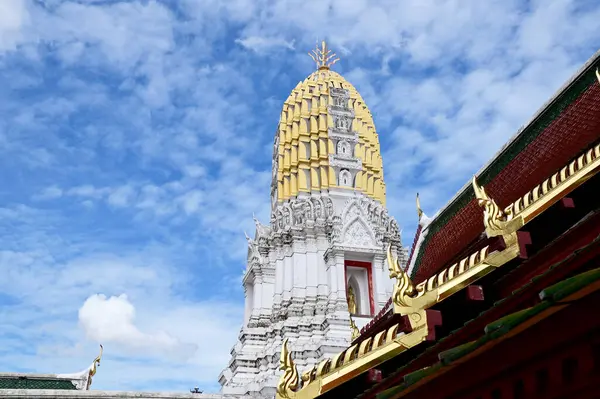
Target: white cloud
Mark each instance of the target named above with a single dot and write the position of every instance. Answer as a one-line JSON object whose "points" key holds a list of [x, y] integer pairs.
{"points": [[86, 190], [121, 196], [262, 44], [194, 171], [111, 320], [55, 310], [13, 16], [51, 193], [191, 201]]}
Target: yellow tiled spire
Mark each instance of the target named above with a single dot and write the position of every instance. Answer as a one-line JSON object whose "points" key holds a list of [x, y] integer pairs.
{"points": [[305, 145]]}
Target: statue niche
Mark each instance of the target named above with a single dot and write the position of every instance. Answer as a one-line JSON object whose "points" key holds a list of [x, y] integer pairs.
{"points": [[352, 299]]}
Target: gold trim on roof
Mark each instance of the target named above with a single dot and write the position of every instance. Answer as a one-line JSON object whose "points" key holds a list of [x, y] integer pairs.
{"points": [[359, 358], [408, 298], [597, 75], [412, 300], [501, 222]]}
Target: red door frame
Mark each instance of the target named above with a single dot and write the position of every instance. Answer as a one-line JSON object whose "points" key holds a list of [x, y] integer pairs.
{"points": [[369, 267]]}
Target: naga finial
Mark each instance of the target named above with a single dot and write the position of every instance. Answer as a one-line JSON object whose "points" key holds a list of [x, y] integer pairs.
{"points": [[288, 383], [92, 369], [256, 222], [323, 56], [404, 287], [355, 330], [493, 217], [419, 210]]}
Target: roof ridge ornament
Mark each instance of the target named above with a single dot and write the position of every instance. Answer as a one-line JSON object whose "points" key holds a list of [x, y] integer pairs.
{"points": [[355, 330], [419, 210], [92, 368], [598, 75], [494, 219], [404, 289], [323, 56], [288, 383]]}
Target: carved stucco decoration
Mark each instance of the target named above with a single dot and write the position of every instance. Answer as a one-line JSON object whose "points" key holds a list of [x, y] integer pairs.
{"points": [[254, 256], [357, 233], [299, 211], [379, 225]]}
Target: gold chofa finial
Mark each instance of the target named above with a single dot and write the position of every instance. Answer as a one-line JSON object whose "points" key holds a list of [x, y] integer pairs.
{"points": [[323, 56], [92, 369], [419, 210], [288, 383]]}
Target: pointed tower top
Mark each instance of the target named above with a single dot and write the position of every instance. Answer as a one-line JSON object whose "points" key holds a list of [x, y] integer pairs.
{"points": [[323, 56]]}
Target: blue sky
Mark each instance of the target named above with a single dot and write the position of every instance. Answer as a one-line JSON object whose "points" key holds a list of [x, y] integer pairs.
{"points": [[135, 144]]}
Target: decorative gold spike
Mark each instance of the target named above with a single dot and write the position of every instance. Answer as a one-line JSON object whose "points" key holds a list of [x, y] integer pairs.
{"points": [[93, 367], [288, 383], [419, 210], [494, 219], [96, 362], [355, 330], [404, 288], [323, 57]]}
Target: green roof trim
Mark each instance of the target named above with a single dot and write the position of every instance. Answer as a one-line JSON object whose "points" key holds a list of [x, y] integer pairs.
{"points": [[389, 393], [525, 137], [450, 355], [493, 331], [499, 328], [503, 325], [559, 291], [35, 383], [418, 375]]}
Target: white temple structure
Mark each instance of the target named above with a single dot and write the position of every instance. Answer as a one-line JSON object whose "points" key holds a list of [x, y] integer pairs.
{"points": [[322, 257]]}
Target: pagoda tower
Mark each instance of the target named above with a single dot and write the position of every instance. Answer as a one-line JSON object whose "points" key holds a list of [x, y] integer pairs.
{"points": [[321, 259]]}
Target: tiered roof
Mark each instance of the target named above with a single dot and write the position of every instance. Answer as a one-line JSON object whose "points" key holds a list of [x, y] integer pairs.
{"points": [[75, 381]]}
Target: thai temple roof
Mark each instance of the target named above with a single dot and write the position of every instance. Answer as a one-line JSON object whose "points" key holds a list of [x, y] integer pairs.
{"points": [[35, 381], [538, 148], [74, 381], [513, 169]]}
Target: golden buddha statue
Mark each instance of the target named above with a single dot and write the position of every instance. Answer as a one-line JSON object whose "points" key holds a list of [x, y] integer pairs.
{"points": [[351, 300]]}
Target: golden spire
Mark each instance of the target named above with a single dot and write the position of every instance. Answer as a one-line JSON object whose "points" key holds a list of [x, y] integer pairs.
{"points": [[323, 56]]}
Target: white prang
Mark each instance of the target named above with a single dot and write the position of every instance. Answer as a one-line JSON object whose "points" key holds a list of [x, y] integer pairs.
{"points": [[295, 283]]}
